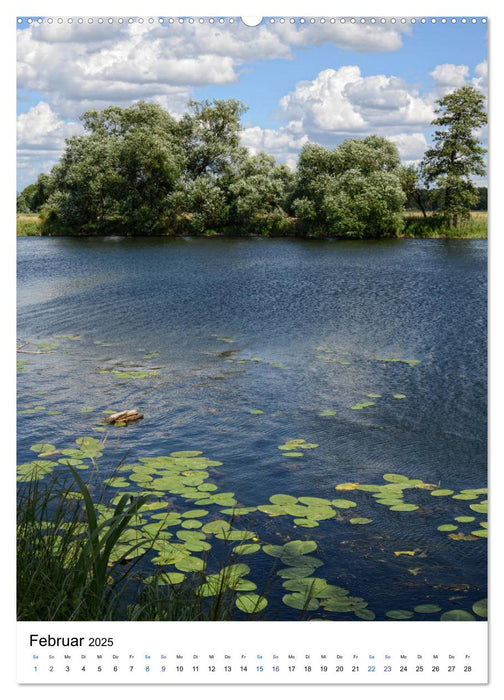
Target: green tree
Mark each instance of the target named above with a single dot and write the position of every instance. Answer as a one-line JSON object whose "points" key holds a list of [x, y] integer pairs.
{"points": [[210, 137], [410, 182], [116, 177], [34, 196], [258, 195], [457, 155], [352, 191]]}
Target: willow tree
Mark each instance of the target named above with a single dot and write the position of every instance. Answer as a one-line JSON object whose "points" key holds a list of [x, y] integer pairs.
{"points": [[457, 155], [352, 191]]}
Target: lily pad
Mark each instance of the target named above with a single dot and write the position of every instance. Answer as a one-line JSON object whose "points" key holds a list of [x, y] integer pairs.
{"points": [[273, 550], [256, 412], [312, 501], [394, 478], [343, 503], [216, 526], [344, 604], [282, 499], [194, 513], [360, 521], [305, 522], [327, 413], [363, 404], [441, 492], [480, 608], [243, 584], [447, 528], [43, 447], [480, 533], [251, 603], [464, 519], [191, 524], [293, 454], [427, 608], [299, 547], [456, 616], [479, 507], [235, 535], [300, 601], [167, 579], [315, 587], [399, 614], [238, 511], [190, 564], [296, 572], [406, 507], [246, 548], [365, 614]]}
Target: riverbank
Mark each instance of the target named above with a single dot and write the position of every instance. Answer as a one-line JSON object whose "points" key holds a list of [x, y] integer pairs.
{"points": [[415, 226]]}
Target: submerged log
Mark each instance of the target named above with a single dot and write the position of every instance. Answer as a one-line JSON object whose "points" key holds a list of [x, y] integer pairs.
{"points": [[124, 417]]}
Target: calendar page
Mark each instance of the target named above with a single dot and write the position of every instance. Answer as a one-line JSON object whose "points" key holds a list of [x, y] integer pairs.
{"points": [[251, 348]]}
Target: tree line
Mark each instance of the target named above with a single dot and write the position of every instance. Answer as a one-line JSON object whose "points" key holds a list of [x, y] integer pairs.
{"points": [[138, 170]]}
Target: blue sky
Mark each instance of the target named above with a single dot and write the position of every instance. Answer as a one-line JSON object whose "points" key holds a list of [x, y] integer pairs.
{"points": [[321, 81]]}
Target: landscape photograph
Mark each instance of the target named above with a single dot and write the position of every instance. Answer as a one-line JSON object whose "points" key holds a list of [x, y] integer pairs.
{"points": [[252, 319]]}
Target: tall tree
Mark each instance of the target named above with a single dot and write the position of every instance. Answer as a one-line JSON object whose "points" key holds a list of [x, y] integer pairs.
{"points": [[457, 154], [352, 191], [117, 175]]}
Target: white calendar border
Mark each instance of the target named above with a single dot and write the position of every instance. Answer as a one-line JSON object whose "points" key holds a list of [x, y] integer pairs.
{"points": [[248, 8]]}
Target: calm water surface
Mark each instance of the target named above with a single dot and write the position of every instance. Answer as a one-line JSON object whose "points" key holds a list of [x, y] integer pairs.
{"points": [[292, 329]]}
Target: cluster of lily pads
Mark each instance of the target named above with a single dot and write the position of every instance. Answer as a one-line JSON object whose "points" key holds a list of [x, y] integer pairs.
{"points": [[294, 447], [179, 538], [83, 456]]}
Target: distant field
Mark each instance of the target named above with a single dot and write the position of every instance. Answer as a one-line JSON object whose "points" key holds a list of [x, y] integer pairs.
{"points": [[27, 225], [432, 226]]}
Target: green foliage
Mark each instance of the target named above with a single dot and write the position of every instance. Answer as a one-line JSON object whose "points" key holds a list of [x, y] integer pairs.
{"points": [[457, 154], [353, 191], [116, 176], [259, 193]]}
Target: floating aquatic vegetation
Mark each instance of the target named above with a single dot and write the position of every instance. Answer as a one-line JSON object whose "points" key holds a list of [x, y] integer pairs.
{"points": [[456, 616], [343, 503], [360, 521], [410, 363], [481, 507], [363, 404], [373, 396], [251, 603], [480, 533], [241, 549], [447, 528], [400, 614], [399, 396], [256, 412], [305, 522], [480, 608], [130, 374], [327, 413], [299, 443], [427, 608], [36, 470], [301, 601], [442, 492]]}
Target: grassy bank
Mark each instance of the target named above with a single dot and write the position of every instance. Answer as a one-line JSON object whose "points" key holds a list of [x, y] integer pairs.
{"points": [[433, 226], [415, 226], [28, 225]]}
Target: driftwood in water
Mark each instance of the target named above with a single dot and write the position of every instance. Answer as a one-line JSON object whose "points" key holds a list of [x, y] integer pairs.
{"points": [[124, 417]]}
